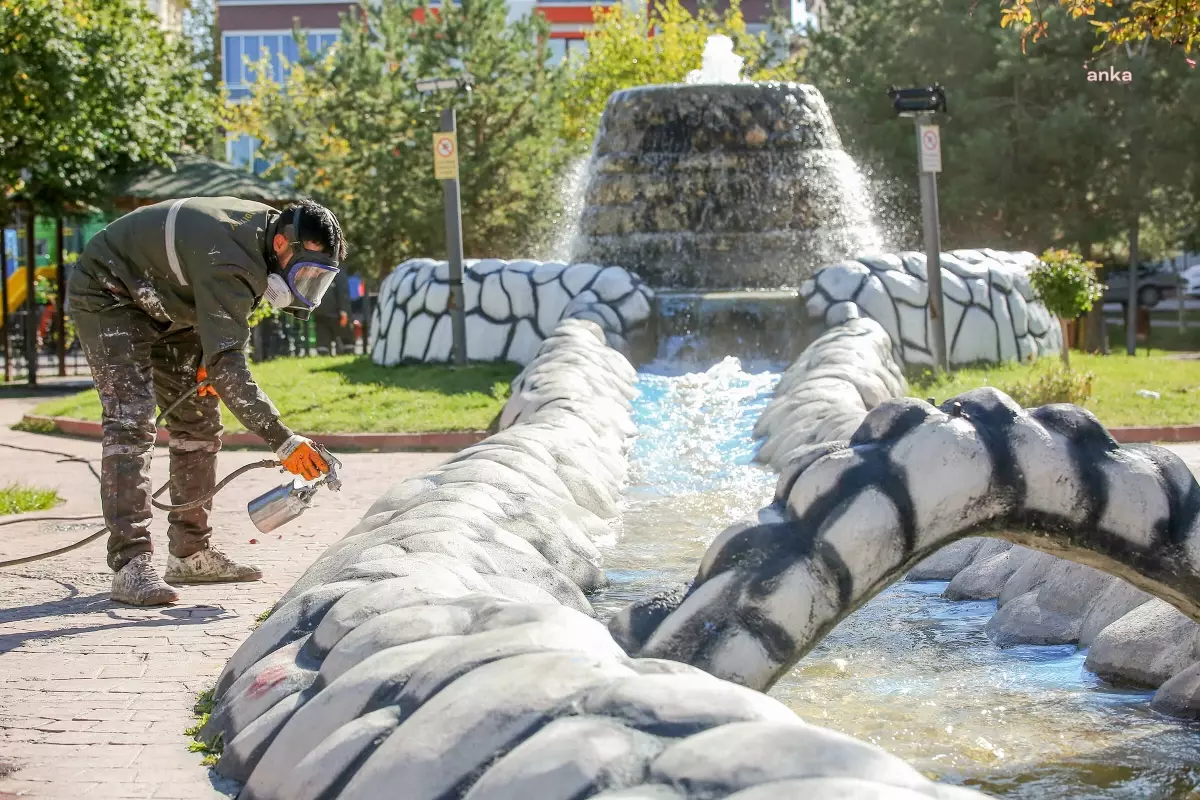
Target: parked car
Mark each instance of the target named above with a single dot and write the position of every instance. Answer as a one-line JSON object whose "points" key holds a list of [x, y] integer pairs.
{"points": [[1153, 284], [1191, 279]]}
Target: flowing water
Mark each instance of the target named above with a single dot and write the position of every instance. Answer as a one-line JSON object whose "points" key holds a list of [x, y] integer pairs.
{"points": [[910, 671]]}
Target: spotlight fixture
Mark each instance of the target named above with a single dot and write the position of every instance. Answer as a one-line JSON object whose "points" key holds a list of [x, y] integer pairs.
{"points": [[918, 100]]}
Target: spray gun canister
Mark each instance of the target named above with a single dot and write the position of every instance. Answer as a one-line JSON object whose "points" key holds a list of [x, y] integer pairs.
{"points": [[285, 503]]}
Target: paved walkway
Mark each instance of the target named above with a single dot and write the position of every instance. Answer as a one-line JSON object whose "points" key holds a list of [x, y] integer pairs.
{"points": [[95, 696]]}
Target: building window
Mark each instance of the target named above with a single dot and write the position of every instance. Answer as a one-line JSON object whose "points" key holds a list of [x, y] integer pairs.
{"points": [[561, 49], [277, 46], [243, 152]]}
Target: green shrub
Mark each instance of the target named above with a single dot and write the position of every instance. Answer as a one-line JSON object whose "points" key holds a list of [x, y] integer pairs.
{"points": [[1056, 383], [1066, 283]]}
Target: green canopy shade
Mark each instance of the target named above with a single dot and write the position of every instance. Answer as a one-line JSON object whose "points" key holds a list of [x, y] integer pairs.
{"points": [[199, 176]]}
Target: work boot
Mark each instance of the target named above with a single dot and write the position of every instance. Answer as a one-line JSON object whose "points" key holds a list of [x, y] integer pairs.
{"points": [[209, 565], [137, 583]]}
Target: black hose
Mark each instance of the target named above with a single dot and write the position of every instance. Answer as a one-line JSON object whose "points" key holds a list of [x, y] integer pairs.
{"points": [[199, 501]]}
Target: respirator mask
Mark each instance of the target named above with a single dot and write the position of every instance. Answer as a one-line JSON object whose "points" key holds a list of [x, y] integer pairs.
{"points": [[304, 281]]}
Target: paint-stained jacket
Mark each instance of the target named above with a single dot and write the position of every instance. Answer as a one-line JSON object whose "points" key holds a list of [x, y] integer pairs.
{"points": [[194, 263]]}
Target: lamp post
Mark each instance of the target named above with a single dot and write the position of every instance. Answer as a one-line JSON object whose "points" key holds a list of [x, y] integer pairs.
{"points": [[445, 168], [922, 103]]}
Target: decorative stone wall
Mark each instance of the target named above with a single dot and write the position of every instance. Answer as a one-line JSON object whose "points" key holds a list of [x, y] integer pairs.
{"points": [[991, 314], [1133, 639], [445, 648], [511, 306], [852, 516], [827, 392]]}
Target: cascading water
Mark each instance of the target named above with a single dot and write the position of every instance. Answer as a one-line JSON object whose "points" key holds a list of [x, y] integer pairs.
{"points": [[721, 183], [910, 671]]}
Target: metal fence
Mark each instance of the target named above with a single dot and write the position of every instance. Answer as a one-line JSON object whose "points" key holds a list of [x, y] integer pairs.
{"points": [[50, 361], [280, 337]]}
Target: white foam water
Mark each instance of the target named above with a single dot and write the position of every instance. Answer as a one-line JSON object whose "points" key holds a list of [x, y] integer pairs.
{"points": [[718, 64]]}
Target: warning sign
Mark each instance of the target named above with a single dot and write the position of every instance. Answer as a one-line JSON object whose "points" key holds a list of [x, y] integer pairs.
{"points": [[931, 148], [445, 156]]}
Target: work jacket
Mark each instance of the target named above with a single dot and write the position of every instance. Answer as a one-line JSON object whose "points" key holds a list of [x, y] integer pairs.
{"points": [[199, 262]]}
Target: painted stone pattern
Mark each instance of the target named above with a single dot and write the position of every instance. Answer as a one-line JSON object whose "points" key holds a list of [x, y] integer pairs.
{"points": [[511, 306], [991, 314], [854, 511], [446, 647]]}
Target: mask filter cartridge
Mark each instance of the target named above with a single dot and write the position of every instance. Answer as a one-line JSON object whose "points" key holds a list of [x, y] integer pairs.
{"points": [[278, 294]]}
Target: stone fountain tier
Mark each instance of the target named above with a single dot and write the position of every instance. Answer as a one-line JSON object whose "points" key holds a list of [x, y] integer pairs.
{"points": [[721, 186]]}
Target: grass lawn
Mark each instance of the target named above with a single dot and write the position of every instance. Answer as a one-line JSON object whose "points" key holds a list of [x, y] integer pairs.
{"points": [[1114, 398], [350, 394], [17, 498]]}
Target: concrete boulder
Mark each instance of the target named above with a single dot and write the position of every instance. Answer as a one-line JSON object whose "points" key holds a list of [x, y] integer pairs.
{"points": [[1180, 696], [1146, 647], [1053, 613], [947, 562]]}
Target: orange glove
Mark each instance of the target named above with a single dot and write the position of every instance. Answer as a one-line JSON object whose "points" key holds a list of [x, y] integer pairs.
{"points": [[343, 319], [300, 456], [205, 391]]}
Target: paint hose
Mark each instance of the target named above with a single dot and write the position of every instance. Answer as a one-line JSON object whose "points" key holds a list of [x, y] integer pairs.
{"points": [[68, 457]]}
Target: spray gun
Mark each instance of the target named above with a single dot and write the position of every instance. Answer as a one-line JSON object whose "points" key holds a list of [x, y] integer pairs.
{"points": [[285, 503]]}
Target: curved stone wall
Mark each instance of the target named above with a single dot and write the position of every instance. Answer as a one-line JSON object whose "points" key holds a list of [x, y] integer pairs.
{"points": [[825, 394], [991, 313], [1133, 639], [446, 648], [511, 306], [852, 516]]}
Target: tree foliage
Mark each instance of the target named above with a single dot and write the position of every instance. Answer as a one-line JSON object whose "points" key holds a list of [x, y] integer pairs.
{"points": [[355, 133], [1066, 283], [1174, 22], [92, 88], [622, 55], [1035, 154]]}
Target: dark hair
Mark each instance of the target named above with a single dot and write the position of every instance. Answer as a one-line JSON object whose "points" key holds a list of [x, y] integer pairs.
{"points": [[317, 224]]}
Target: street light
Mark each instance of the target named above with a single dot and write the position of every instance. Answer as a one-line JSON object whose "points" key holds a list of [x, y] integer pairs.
{"points": [[445, 167], [922, 103]]}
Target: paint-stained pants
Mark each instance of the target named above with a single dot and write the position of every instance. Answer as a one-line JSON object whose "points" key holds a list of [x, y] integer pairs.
{"points": [[137, 366]]}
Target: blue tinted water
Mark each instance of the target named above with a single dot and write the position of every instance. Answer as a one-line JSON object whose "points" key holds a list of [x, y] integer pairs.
{"points": [[910, 671]]}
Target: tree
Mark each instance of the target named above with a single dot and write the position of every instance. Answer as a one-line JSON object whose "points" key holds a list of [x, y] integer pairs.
{"points": [[352, 129], [622, 55], [1066, 284], [1173, 22], [92, 88], [1036, 155]]}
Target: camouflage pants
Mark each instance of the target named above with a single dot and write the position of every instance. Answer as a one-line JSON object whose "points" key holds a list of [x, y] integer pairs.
{"points": [[137, 365]]}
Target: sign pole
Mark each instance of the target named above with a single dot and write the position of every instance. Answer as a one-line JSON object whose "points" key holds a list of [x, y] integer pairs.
{"points": [[445, 167], [929, 160]]}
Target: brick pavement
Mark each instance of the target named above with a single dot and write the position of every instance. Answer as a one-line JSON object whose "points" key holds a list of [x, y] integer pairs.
{"points": [[95, 696]]}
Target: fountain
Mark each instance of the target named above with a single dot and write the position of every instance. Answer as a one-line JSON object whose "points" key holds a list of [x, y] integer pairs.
{"points": [[724, 195], [722, 184]]}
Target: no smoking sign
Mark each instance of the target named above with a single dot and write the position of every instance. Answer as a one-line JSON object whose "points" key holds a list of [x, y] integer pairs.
{"points": [[931, 148], [445, 156]]}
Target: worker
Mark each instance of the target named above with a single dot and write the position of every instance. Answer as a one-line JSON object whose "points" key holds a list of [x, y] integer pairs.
{"points": [[161, 299]]}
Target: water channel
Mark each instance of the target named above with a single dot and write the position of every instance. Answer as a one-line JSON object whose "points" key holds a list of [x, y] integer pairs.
{"points": [[910, 672]]}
